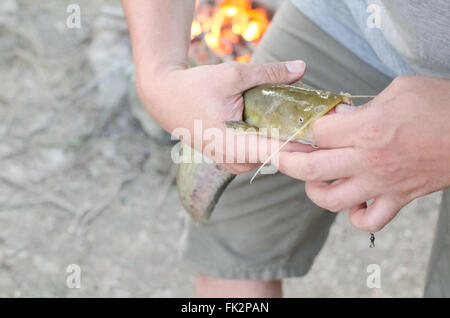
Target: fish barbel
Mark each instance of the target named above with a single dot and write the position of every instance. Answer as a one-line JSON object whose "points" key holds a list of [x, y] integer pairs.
{"points": [[288, 109]]}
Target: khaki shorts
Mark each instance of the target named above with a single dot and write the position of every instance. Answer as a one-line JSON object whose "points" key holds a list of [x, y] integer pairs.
{"points": [[270, 230]]}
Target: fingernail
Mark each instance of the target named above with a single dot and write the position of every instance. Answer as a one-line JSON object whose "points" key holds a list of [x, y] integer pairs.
{"points": [[344, 108], [296, 66]]}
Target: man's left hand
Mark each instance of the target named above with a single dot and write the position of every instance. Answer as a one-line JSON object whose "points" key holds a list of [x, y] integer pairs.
{"points": [[393, 150]]}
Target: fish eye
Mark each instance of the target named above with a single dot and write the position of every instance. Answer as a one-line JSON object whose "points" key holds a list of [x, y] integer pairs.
{"points": [[300, 120]]}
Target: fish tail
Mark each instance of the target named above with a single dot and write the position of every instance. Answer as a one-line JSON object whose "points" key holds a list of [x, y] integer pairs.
{"points": [[200, 186]]}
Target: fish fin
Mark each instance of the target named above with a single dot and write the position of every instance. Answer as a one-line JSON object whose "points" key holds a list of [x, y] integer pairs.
{"points": [[239, 124], [200, 186], [301, 84], [277, 152]]}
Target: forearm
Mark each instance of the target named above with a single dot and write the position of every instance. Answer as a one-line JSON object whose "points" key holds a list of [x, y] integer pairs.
{"points": [[160, 34]]}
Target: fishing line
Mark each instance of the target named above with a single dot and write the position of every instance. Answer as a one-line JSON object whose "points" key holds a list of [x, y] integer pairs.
{"points": [[293, 136], [363, 96], [372, 235], [278, 150]]}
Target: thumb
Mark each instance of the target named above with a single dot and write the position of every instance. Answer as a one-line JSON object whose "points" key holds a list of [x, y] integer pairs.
{"points": [[270, 73]]}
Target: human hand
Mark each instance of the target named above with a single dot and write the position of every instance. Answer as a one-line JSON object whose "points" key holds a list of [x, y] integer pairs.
{"points": [[394, 150], [178, 96]]}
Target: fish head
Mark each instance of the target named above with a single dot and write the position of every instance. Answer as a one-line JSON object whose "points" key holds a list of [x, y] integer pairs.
{"points": [[282, 110]]}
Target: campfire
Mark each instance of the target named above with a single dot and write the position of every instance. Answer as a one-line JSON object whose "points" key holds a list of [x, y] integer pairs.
{"points": [[225, 30]]}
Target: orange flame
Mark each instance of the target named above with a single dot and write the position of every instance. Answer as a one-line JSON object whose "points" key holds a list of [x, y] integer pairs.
{"points": [[232, 22], [196, 29], [244, 58]]}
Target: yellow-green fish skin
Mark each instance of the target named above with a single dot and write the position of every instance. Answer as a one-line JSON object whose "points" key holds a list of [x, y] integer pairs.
{"points": [[282, 107], [287, 108]]}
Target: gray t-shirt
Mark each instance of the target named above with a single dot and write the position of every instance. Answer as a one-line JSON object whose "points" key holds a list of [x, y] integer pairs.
{"points": [[395, 36]]}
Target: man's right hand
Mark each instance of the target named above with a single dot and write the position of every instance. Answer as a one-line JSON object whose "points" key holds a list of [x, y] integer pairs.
{"points": [[213, 94]]}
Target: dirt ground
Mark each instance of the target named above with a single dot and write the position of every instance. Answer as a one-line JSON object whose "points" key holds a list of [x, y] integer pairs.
{"points": [[82, 182]]}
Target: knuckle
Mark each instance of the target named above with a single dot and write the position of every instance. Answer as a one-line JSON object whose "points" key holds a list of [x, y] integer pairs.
{"points": [[372, 132], [402, 82], [377, 161], [236, 71], [399, 81], [272, 72], [311, 170], [324, 198]]}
